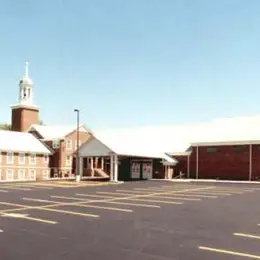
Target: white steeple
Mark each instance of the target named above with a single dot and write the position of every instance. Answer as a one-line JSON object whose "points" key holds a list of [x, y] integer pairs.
{"points": [[26, 89]]}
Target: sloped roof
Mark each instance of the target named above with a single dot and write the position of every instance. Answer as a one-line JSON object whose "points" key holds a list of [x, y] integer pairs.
{"points": [[56, 132], [101, 145], [236, 130], [173, 139], [21, 142]]}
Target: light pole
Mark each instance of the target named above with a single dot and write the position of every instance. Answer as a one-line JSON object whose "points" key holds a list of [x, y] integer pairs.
{"points": [[77, 151]]}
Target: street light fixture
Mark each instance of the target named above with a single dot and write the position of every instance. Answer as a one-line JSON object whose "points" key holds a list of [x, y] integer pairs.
{"points": [[77, 151]]}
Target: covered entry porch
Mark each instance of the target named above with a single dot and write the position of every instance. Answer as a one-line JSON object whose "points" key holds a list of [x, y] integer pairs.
{"points": [[99, 159]]}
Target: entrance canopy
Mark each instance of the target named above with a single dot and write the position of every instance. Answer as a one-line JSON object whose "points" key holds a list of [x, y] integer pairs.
{"points": [[96, 147]]}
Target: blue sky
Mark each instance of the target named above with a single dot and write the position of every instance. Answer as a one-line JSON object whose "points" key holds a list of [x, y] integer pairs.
{"points": [[132, 63]]}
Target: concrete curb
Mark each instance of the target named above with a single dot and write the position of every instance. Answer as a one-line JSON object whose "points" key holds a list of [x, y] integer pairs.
{"points": [[207, 181]]}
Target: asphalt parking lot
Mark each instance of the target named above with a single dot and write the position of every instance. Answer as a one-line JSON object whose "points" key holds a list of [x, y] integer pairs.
{"points": [[135, 220]]}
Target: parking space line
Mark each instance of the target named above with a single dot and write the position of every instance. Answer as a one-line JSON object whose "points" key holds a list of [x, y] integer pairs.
{"points": [[13, 188], [246, 235], [47, 208], [69, 198], [156, 201], [229, 252], [32, 186], [3, 190], [133, 204], [211, 192], [102, 207], [95, 196], [175, 194], [30, 218], [69, 212], [157, 196], [40, 200]]}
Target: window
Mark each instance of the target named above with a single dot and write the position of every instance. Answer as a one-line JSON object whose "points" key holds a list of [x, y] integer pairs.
{"points": [[9, 174], [32, 174], [21, 174], [45, 158], [211, 149], [56, 144], [21, 158], [9, 158], [33, 158], [45, 174], [76, 144], [68, 160], [68, 144]]}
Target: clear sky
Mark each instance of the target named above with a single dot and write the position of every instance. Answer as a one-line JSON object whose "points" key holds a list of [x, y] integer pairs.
{"points": [[130, 63]]}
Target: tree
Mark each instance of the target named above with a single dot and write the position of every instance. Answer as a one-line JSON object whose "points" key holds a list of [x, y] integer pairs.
{"points": [[5, 126]]}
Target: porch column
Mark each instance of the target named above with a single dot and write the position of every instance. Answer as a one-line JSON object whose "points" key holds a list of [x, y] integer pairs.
{"points": [[116, 168], [188, 167], [165, 172], [91, 166], [96, 162], [250, 162], [197, 162], [102, 163], [111, 168]]}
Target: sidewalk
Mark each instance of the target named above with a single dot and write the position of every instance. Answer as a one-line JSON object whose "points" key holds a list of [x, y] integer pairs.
{"points": [[207, 181]]}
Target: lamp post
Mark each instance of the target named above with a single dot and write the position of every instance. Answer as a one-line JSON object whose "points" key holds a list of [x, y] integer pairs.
{"points": [[77, 151]]}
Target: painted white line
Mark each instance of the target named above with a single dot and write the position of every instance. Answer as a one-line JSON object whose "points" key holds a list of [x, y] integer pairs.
{"points": [[1, 230], [228, 252], [3, 190], [246, 235]]}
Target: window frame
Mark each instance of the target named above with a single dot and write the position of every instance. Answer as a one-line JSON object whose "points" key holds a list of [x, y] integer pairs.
{"points": [[7, 157], [33, 162], [7, 174], [68, 141], [19, 158], [24, 174]]}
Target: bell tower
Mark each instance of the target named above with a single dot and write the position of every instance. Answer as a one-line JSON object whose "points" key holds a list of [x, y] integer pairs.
{"points": [[25, 113]]}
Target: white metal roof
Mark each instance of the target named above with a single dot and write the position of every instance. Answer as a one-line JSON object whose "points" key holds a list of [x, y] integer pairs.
{"points": [[56, 132], [104, 144], [176, 139], [21, 142]]}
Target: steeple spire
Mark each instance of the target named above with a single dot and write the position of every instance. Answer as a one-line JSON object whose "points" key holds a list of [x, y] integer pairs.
{"points": [[26, 69]]}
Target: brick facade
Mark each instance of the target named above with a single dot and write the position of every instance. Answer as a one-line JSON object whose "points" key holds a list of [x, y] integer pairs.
{"points": [[23, 118], [227, 162], [61, 162], [23, 166]]}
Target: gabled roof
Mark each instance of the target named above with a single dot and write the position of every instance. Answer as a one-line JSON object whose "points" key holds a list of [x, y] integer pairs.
{"points": [[21, 142], [123, 145], [56, 132]]}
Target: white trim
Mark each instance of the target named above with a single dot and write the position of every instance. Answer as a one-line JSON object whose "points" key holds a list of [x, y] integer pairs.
{"points": [[68, 144], [45, 158], [31, 161], [9, 158], [7, 172], [226, 143], [23, 171], [19, 158], [181, 154], [30, 173], [25, 166], [45, 174]]}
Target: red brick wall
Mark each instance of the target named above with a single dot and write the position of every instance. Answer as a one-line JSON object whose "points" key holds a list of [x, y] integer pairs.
{"points": [[23, 118], [224, 163]]}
